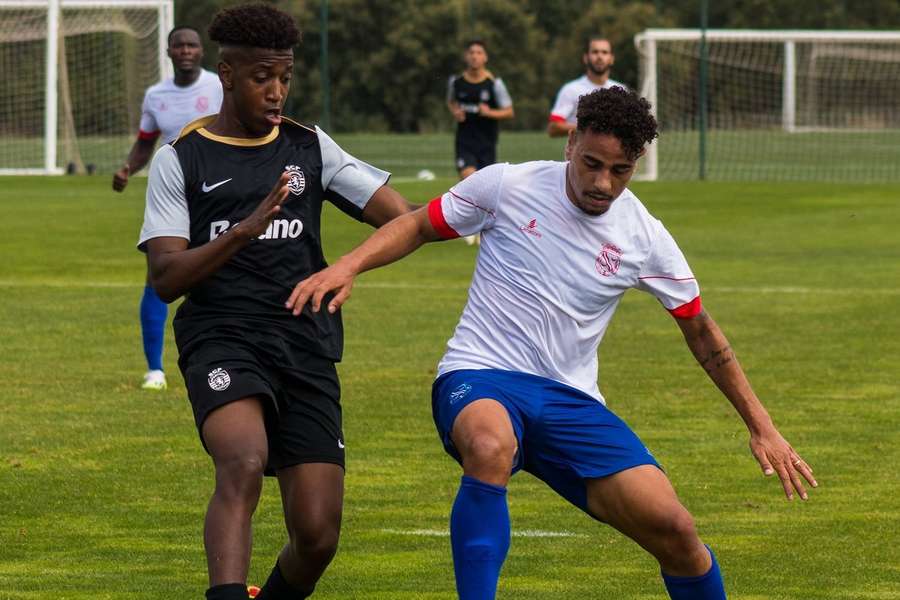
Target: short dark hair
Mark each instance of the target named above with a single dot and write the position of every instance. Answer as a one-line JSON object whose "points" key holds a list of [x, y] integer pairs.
{"points": [[620, 113], [474, 42], [178, 28], [597, 37], [255, 26]]}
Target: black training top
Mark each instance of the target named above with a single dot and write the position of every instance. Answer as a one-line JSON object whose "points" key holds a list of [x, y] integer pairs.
{"points": [[468, 95], [203, 184]]}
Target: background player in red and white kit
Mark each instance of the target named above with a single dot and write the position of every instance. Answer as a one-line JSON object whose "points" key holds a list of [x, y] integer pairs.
{"points": [[598, 59], [517, 388], [168, 106]]}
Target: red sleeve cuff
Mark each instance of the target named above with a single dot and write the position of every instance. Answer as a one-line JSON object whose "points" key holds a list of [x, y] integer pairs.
{"points": [[436, 216], [557, 119], [689, 310], [147, 135]]}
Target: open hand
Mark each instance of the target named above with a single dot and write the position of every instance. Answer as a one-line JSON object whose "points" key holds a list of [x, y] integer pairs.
{"points": [[775, 455], [338, 277], [256, 223]]}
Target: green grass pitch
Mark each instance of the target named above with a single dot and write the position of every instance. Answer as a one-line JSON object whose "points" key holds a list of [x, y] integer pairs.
{"points": [[103, 487]]}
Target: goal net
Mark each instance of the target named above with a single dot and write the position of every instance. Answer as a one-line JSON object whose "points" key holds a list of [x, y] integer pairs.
{"points": [[74, 74], [779, 105]]}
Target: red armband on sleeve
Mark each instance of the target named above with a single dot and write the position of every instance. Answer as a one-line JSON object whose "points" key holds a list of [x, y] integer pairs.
{"points": [[688, 310], [436, 216], [557, 119], [147, 135]]}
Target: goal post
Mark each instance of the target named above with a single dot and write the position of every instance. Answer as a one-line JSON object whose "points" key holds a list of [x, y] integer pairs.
{"points": [[74, 74], [782, 105]]}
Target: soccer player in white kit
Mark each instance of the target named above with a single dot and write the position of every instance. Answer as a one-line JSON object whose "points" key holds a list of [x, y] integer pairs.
{"points": [[168, 106], [598, 59], [517, 387]]}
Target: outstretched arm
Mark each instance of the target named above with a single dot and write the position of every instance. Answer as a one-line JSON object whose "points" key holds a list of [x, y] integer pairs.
{"points": [[771, 450], [385, 205], [390, 243]]}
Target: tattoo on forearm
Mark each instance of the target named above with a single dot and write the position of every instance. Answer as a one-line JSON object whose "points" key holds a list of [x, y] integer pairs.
{"points": [[716, 359]]}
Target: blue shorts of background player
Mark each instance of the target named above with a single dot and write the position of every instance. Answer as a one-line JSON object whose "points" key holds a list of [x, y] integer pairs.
{"points": [[565, 438]]}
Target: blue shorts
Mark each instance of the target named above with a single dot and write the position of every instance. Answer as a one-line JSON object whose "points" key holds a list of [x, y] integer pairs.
{"points": [[564, 435]]}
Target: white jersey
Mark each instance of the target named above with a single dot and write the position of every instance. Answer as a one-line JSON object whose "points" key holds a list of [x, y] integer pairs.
{"points": [[566, 104], [167, 108], [548, 276]]}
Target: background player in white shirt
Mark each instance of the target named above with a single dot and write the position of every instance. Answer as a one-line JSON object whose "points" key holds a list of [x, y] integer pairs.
{"points": [[598, 59], [168, 106], [516, 389]]}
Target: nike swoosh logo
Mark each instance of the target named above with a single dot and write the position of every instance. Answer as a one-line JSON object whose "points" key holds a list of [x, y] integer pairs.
{"points": [[340, 444], [209, 188]]}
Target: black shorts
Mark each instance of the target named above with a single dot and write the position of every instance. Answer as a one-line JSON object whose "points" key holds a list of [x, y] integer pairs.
{"points": [[471, 154], [300, 393]]}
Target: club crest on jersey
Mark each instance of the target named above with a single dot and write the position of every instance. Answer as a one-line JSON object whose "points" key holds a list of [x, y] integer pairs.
{"points": [[219, 379], [202, 104], [297, 182], [608, 260]]}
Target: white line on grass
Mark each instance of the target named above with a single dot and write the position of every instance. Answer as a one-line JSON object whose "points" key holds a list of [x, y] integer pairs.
{"points": [[408, 285], [527, 533]]}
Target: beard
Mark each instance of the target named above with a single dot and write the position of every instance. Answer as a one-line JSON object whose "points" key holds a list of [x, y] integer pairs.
{"points": [[601, 71]]}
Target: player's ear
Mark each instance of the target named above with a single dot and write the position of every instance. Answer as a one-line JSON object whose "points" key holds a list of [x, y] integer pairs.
{"points": [[570, 143], [226, 74]]}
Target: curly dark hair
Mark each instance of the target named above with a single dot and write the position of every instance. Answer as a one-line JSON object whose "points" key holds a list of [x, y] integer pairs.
{"points": [[255, 26], [621, 113]]}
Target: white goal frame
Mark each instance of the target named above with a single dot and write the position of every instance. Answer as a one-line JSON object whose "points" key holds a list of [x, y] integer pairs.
{"points": [[165, 19], [646, 43]]}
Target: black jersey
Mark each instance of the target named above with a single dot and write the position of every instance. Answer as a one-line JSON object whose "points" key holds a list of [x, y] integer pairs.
{"points": [[202, 184], [490, 91]]}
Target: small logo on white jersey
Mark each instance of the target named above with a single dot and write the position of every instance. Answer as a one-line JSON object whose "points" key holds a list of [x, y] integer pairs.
{"points": [[219, 379], [460, 393], [297, 181], [608, 260], [340, 443], [202, 104], [209, 188], [531, 228]]}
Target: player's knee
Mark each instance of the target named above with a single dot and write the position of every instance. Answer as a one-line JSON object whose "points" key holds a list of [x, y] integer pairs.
{"points": [[678, 534], [489, 451], [315, 540], [240, 477]]}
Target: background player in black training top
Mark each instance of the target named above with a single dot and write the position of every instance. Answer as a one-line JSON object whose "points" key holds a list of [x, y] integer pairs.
{"points": [[262, 383], [477, 100]]}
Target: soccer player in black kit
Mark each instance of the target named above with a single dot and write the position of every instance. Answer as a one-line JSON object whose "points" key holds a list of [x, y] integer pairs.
{"points": [[477, 100], [262, 383]]}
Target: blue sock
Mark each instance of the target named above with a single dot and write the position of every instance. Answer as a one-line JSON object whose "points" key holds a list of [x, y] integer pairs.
{"points": [[479, 536], [153, 326], [702, 587]]}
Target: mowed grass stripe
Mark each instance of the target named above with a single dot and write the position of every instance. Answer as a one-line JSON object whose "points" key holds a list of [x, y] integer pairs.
{"points": [[409, 285], [103, 487]]}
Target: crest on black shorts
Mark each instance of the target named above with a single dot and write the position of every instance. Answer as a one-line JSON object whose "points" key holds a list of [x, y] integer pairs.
{"points": [[219, 379], [297, 182]]}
